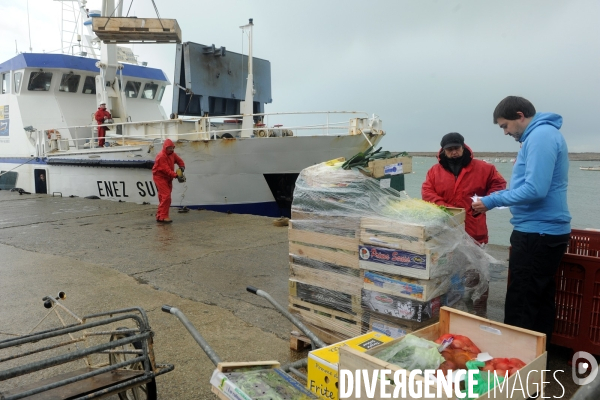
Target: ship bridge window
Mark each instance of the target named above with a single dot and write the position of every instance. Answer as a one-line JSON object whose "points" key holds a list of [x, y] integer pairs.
{"points": [[149, 91], [161, 91], [89, 85], [39, 80], [8, 180], [132, 89], [5, 84], [17, 80], [69, 83]]}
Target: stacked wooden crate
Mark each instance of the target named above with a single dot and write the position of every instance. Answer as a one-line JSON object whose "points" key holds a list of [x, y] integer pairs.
{"points": [[403, 268], [340, 286], [325, 282]]}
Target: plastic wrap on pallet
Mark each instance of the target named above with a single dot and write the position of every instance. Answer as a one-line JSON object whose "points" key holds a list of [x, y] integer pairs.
{"points": [[364, 256]]}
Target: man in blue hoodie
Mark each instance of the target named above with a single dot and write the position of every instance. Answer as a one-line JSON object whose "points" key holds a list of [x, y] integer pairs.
{"points": [[537, 197]]}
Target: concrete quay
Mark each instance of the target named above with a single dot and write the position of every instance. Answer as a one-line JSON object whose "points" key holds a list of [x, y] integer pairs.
{"points": [[110, 255]]}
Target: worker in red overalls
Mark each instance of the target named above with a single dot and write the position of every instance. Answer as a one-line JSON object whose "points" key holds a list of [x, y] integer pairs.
{"points": [[163, 174], [100, 116]]}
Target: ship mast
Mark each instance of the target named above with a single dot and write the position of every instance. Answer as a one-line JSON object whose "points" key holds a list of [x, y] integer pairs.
{"points": [[247, 106], [108, 88]]}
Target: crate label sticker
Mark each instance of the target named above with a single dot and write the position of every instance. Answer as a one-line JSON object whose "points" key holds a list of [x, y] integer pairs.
{"points": [[398, 307], [325, 297], [385, 183], [400, 258], [390, 331], [402, 287], [369, 344], [393, 169], [490, 330]]}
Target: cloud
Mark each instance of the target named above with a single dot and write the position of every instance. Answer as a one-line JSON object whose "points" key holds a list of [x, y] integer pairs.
{"points": [[426, 68]]}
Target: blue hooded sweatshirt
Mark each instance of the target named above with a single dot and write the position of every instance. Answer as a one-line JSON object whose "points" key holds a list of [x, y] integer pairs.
{"points": [[537, 195]]}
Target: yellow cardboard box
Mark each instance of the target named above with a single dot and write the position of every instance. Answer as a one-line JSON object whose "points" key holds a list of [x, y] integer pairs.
{"points": [[322, 376]]}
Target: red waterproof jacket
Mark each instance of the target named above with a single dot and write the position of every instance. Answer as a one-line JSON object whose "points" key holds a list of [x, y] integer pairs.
{"points": [[477, 177], [164, 165], [100, 115]]}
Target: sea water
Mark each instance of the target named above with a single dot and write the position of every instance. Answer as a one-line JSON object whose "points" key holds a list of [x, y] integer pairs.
{"points": [[583, 196]]}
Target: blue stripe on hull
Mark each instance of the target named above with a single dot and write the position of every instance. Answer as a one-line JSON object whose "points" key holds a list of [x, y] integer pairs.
{"points": [[266, 209], [22, 160]]}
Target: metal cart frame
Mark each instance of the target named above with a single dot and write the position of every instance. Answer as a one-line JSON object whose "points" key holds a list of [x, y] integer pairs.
{"points": [[129, 370]]}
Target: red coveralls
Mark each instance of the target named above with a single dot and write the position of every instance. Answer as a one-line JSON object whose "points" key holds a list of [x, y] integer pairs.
{"points": [[99, 117], [163, 174]]}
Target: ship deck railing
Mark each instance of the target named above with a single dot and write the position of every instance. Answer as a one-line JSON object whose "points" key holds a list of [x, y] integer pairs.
{"points": [[205, 128]]}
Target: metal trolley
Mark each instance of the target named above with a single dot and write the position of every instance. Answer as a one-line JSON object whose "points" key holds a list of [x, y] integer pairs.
{"points": [[97, 356], [258, 379]]}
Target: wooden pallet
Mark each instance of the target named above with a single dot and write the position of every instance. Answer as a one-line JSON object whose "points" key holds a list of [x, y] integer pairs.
{"points": [[340, 282], [136, 30], [300, 342], [332, 224], [415, 231], [343, 300], [340, 323], [337, 250]]}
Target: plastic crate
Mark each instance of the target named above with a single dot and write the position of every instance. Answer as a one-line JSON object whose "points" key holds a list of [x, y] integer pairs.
{"points": [[577, 297], [577, 300], [584, 243]]}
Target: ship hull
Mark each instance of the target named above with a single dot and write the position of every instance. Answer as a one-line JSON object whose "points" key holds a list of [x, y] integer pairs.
{"points": [[237, 175]]}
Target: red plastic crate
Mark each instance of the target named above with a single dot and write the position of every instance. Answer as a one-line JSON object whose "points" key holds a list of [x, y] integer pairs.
{"points": [[577, 296], [577, 300], [584, 243]]}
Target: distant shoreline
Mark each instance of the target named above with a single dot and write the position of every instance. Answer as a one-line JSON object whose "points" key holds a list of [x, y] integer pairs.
{"points": [[572, 156]]}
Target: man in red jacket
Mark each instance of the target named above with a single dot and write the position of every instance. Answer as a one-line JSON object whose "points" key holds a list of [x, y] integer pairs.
{"points": [[457, 178], [163, 174], [100, 116]]}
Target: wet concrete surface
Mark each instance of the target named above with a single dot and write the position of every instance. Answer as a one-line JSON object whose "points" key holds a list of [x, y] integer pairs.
{"points": [[110, 255]]}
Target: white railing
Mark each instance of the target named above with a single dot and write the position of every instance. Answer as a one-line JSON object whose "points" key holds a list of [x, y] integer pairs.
{"points": [[211, 128]]}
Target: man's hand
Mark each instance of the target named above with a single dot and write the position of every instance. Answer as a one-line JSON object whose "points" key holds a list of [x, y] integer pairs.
{"points": [[479, 207]]}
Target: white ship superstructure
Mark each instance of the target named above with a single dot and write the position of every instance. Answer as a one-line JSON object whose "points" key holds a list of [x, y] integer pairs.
{"points": [[238, 158]]}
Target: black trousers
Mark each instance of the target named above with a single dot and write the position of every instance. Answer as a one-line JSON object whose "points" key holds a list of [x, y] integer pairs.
{"points": [[534, 260]]}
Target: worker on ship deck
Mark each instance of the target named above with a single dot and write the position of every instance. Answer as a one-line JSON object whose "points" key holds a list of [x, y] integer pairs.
{"points": [[100, 116]]}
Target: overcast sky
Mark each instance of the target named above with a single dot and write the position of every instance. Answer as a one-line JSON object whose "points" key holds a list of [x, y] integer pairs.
{"points": [[424, 67]]}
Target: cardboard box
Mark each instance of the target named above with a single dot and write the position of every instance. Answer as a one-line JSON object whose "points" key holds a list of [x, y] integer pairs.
{"points": [[498, 339], [402, 286], [400, 307], [391, 166], [322, 369]]}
